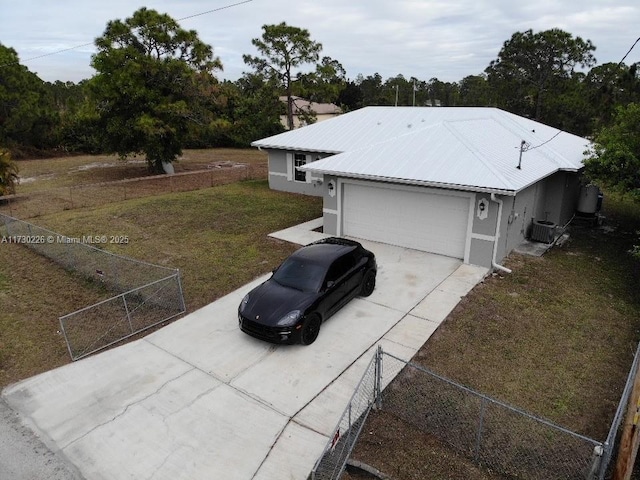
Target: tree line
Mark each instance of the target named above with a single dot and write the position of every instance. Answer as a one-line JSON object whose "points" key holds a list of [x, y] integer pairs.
{"points": [[155, 92]]}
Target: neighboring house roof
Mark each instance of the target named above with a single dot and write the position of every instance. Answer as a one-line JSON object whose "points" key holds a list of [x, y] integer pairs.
{"points": [[467, 148], [300, 105]]}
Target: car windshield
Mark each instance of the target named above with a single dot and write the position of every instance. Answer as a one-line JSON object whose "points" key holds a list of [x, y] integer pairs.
{"points": [[301, 274]]}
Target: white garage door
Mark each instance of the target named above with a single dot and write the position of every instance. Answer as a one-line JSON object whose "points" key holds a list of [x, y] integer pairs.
{"points": [[409, 218]]}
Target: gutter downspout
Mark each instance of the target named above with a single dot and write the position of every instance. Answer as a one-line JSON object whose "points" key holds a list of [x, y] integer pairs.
{"points": [[495, 242]]}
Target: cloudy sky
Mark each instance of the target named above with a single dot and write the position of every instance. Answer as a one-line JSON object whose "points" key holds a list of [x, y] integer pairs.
{"points": [[447, 39]]}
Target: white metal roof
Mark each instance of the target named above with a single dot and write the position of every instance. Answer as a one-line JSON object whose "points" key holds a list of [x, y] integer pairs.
{"points": [[471, 148]]}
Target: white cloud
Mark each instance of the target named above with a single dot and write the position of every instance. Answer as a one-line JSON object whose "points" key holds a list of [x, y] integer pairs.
{"points": [[421, 38]]}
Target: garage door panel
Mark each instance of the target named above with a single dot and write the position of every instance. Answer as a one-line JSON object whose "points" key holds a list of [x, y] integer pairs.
{"points": [[411, 218]]}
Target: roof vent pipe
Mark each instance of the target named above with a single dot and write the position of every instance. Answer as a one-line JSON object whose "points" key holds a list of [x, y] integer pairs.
{"points": [[494, 264], [522, 149]]}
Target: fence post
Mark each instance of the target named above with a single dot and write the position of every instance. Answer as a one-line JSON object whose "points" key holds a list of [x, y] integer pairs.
{"points": [[184, 306], [610, 442], [483, 407], [126, 308], [72, 257], [596, 463], [116, 276], [378, 379], [629, 440], [66, 339]]}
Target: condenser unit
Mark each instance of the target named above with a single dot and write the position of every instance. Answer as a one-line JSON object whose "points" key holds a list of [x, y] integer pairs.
{"points": [[543, 231]]}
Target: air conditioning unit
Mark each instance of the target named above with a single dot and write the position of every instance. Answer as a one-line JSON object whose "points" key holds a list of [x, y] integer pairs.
{"points": [[543, 231]]}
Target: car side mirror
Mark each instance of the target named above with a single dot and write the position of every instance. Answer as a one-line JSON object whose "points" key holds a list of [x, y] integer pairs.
{"points": [[330, 284]]}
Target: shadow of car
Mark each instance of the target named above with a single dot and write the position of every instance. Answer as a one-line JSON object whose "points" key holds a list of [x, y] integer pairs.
{"points": [[306, 289]]}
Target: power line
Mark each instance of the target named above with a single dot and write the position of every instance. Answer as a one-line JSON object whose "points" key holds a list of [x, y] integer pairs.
{"points": [[91, 43], [625, 55], [215, 10], [543, 143], [525, 147]]}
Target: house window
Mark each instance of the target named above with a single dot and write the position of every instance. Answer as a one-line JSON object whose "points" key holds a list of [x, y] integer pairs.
{"points": [[299, 160]]}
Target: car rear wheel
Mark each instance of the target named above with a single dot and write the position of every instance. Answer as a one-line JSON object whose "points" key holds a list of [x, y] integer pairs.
{"points": [[310, 330], [368, 283]]}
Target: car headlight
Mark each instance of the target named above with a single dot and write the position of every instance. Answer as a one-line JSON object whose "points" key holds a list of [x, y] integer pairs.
{"points": [[244, 302], [290, 318]]}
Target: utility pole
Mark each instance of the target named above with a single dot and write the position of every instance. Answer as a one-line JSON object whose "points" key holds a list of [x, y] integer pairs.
{"points": [[629, 441], [414, 93]]}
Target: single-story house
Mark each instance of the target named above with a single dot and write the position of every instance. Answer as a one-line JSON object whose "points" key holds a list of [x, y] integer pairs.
{"points": [[466, 182], [303, 109]]}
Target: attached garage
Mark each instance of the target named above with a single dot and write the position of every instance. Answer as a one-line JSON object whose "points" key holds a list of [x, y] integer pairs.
{"points": [[412, 217]]}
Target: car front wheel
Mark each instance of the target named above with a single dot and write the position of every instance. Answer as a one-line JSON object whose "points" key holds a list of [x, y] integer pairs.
{"points": [[368, 283], [310, 330]]}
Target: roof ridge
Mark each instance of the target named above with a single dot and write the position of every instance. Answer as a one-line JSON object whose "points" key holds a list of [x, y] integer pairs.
{"points": [[476, 153]]}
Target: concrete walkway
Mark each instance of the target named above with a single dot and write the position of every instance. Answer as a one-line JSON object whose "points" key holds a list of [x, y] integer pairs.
{"points": [[198, 399]]}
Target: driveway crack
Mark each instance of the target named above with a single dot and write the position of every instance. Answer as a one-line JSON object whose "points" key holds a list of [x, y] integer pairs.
{"points": [[125, 410]]}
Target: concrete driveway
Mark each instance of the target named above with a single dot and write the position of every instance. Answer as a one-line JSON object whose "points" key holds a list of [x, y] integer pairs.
{"points": [[199, 399]]}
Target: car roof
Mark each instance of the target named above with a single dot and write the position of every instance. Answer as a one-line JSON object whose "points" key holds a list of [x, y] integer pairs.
{"points": [[323, 252]]}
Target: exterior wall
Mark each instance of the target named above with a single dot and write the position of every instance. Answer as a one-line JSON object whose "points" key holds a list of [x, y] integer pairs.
{"points": [[485, 216], [563, 190], [518, 213], [481, 253], [330, 205], [525, 207], [281, 173], [554, 197]]}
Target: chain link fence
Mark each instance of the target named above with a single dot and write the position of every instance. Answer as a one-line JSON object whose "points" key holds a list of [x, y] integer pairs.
{"points": [[108, 322], [614, 431], [145, 294], [499, 438], [496, 436], [54, 200], [332, 462]]}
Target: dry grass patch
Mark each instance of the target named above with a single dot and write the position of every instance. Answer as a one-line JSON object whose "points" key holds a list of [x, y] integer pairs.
{"points": [[217, 237], [556, 338], [44, 174], [403, 452], [34, 292]]}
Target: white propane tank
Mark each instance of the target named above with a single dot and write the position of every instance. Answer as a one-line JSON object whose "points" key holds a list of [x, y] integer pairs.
{"points": [[168, 168], [588, 202]]}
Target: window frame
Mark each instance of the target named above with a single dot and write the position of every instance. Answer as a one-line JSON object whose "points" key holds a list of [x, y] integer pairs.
{"points": [[298, 174]]}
